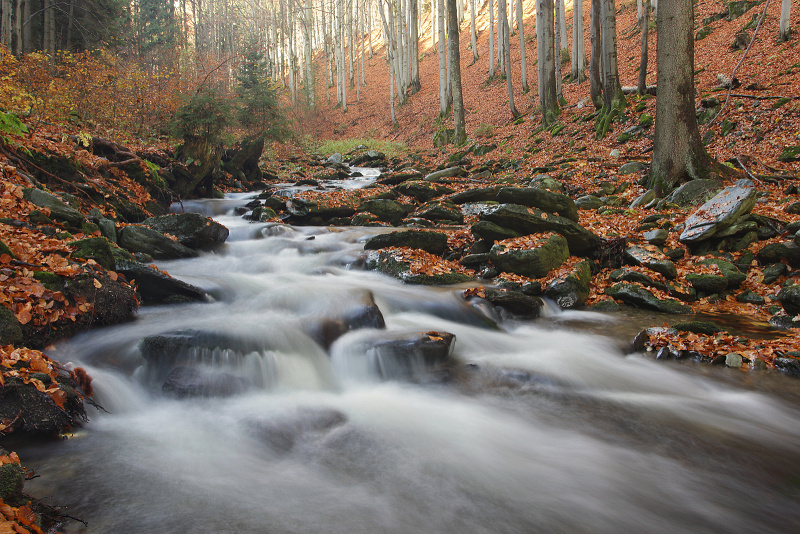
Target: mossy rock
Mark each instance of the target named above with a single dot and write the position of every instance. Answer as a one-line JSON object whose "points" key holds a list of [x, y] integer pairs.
{"points": [[789, 298], [572, 290], [729, 271], [537, 262], [12, 480], [10, 329], [5, 250], [639, 297], [433, 242], [386, 263], [94, 248], [50, 280], [698, 327], [708, 283], [790, 153]]}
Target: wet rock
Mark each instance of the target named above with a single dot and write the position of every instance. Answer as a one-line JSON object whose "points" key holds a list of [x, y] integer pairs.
{"points": [[441, 212], [433, 242], [335, 158], [571, 290], [371, 158], [386, 262], [637, 296], [698, 327], [530, 220], [589, 202], [482, 150], [707, 283], [385, 210], [479, 194], [153, 243], [750, 297], [656, 237], [789, 298], [399, 356], [790, 366], [541, 199], [473, 260], [667, 353], [202, 381], [422, 191], [10, 330], [94, 248], [644, 199], [34, 411], [734, 359], [59, 211], [729, 271], [651, 258], [399, 177], [490, 232], [515, 302], [332, 326], [606, 305], [777, 252], [192, 229], [156, 287], [548, 254], [12, 481], [720, 212]]}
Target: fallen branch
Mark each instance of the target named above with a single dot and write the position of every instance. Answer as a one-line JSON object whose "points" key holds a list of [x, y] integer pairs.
{"points": [[764, 97]]}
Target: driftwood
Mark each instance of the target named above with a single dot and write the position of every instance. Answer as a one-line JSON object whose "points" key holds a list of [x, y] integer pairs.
{"points": [[115, 150]]}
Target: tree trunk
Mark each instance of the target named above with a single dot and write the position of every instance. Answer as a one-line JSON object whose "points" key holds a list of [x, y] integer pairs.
{"points": [[308, 71], [414, 47], [501, 40], [545, 40], [521, 32], [783, 32], [473, 35], [491, 38], [578, 49], [678, 152], [442, 60], [562, 28], [596, 62], [559, 10], [613, 97], [460, 135], [503, 19], [642, 87]]}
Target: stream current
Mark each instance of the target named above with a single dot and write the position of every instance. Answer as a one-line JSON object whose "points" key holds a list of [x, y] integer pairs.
{"points": [[543, 426]]}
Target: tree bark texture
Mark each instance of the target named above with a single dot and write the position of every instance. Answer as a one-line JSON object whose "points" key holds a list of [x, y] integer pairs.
{"points": [[460, 135], [596, 61], [545, 39], [678, 152]]}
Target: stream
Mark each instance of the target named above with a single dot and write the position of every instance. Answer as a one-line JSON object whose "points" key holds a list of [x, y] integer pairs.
{"points": [[541, 426]]}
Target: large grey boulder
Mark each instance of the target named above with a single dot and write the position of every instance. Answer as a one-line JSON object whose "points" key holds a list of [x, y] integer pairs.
{"points": [[534, 262], [479, 194], [789, 297], [530, 221], [152, 242], [491, 232], [58, 210], [694, 192], [441, 212], [450, 172], [540, 198], [433, 242], [720, 212], [192, 229], [653, 259], [386, 210]]}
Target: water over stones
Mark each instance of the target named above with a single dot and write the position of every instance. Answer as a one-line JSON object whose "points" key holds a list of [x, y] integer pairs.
{"points": [[284, 433], [203, 381], [514, 302], [572, 289], [326, 329], [388, 262], [156, 287], [720, 212]]}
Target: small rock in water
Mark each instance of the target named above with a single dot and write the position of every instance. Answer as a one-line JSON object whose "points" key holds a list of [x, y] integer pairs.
{"points": [[733, 359]]}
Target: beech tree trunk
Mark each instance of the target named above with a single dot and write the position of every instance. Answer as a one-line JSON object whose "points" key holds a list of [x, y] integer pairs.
{"points": [[578, 47], [783, 32], [473, 35], [460, 135], [414, 46], [678, 152], [521, 32], [545, 39], [612, 90], [503, 19], [491, 38], [442, 60], [642, 86], [596, 62]]}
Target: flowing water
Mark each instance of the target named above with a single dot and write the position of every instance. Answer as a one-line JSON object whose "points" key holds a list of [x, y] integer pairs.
{"points": [[541, 426]]}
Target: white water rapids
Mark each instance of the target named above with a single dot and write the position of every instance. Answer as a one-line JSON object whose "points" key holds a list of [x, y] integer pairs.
{"points": [[551, 430]]}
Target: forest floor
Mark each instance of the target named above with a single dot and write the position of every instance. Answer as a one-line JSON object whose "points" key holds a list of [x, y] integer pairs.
{"points": [[760, 119]]}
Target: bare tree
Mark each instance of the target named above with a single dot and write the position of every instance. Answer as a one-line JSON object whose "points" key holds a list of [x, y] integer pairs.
{"points": [[506, 45], [442, 61], [783, 32], [521, 32], [460, 135], [545, 39], [491, 38], [678, 152], [642, 87], [473, 36], [613, 98], [578, 47], [596, 61]]}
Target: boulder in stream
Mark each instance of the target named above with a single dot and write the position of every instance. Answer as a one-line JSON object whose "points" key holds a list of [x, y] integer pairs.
{"points": [[541, 199], [203, 381], [136, 238], [192, 229], [536, 262], [433, 242], [156, 287], [637, 296]]}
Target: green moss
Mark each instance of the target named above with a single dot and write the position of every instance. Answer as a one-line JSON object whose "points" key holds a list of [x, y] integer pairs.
{"points": [[51, 280], [5, 250]]}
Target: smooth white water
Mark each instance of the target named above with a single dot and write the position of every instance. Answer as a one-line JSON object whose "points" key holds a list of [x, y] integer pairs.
{"points": [[551, 430]]}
